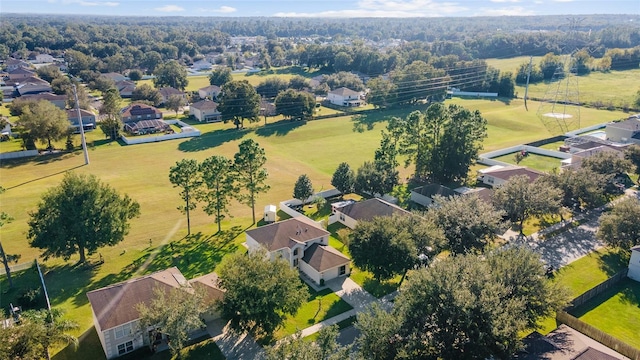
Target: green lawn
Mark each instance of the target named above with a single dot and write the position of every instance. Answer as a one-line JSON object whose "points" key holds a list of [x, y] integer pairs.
{"points": [[552, 146], [320, 305], [534, 161], [512, 64], [314, 148], [616, 312]]}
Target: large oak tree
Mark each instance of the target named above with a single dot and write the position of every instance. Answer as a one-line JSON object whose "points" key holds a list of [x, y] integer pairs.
{"points": [[239, 101], [79, 216]]}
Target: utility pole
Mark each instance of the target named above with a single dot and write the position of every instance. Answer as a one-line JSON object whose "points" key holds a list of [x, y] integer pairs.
{"points": [[526, 88], [84, 141]]}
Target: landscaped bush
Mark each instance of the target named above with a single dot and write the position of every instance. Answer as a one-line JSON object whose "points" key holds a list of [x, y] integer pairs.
{"points": [[30, 297]]}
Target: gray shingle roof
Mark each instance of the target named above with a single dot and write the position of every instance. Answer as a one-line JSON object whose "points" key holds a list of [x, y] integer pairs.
{"points": [[368, 209], [322, 258], [287, 233]]}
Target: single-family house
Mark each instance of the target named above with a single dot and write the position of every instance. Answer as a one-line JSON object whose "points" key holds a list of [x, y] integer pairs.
{"points": [[349, 213], [20, 73], [577, 158], [483, 193], [114, 76], [304, 244], [59, 101], [205, 111], [634, 264], [137, 112], [88, 119], [424, 195], [624, 131], [209, 92], [12, 64], [125, 88], [212, 292], [42, 59], [344, 97], [115, 314], [201, 65], [495, 176], [32, 85], [167, 91]]}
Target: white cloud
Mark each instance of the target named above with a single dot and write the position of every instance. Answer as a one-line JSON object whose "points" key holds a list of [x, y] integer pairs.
{"points": [[220, 10], [388, 8], [505, 1], [507, 11], [170, 8]]}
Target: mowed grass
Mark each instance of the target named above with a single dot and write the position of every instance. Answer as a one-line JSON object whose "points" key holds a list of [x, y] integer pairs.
{"points": [[320, 305], [616, 312], [512, 64], [534, 161], [314, 148]]}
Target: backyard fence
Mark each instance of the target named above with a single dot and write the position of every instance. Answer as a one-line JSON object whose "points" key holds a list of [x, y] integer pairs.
{"points": [[18, 154], [17, 267], [546, 141], [598, 289], [598, 335]]}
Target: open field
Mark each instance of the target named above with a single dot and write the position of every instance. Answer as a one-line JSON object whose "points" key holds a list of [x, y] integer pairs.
{"points": [[292, 148], [512, 64], [615, 312]]}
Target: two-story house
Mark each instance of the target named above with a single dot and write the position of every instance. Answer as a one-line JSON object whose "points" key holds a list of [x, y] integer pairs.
{"points": [[344, 97]]}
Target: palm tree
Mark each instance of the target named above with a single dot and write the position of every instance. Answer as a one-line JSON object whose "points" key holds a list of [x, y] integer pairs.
{"points": [[51, 329]]}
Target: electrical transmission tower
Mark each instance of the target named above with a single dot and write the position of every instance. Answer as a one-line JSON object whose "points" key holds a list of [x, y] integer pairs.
{"points": [[559, 109]]}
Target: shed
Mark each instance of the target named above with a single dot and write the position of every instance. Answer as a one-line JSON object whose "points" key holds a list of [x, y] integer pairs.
{"points": [[270, 213], [634, 264]]}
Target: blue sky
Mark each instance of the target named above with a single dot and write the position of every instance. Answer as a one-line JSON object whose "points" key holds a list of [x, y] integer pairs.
{"points": [[322, 8]]}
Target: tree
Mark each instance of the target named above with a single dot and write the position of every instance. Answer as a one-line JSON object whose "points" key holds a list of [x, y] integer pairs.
{"points": [[506, 85], [325, 347], [632, 153], [49, 72], [260, 292], [174, 102], [45, 122], [390, 245], [171, 74], [80, 215], [103, 83], [303, 189], [218, 179], [520, 199], [271, 87], [469, 223], [610, 165], [620, 227], [298, 82], [135, 75], [343, 179], [146, 93], [239, 101], [37, 332], [345, 79], [220, 76], [111, 123], [5, 258], [342, 61], [378, 329], [505, 293], [185, 174], [175, 313], [296, 105], [442, 142], [581, 188], [549, 65], [249, 173], [375, 178], [381, 92]]}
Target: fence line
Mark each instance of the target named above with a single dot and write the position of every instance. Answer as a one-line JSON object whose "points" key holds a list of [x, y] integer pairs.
{"points": [[598, 289], [18, 154]]}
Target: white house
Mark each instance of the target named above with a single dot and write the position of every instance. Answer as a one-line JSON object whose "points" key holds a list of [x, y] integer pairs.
{"points": [[167, 91], [115, 313], [634, 264], [344, 97], [495, 176], [201, 65], [205, 111], [304, 244], [42, 59], [88, 119], [209, 92], [624, 131], [348, 213]]}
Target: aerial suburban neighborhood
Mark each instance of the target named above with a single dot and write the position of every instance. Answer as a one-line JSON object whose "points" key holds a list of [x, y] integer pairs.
{"points": [[306, 180]]}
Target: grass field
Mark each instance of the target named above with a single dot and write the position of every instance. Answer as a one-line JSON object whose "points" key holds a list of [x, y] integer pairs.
{"points": [[292, 148], [534, 161], [615, 312], [512, 64]]}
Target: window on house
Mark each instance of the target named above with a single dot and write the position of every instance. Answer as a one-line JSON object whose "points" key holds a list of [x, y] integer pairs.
{"points": [[295, 252], [295, 262], [123, 330], [125, 347], [341, 217], [342, 270]]}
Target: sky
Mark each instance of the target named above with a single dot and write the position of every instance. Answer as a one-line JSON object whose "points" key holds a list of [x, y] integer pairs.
{"points": [[322, 8]]}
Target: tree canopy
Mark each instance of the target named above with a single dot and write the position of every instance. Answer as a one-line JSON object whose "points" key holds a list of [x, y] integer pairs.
{"points": [[260, 293], [239, 101], [220, 76], [219, 182], [303, 189], [298, 105], [171, 74], [44, 122], [620, 227], [343, 178], [79, 216], [249, 173], [185, 174]]}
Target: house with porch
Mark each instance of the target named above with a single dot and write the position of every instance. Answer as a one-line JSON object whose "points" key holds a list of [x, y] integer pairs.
{"points": [[304, 244], [345, 97], [88, 119], [348, 213], [115, 314], [205, 111]]}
